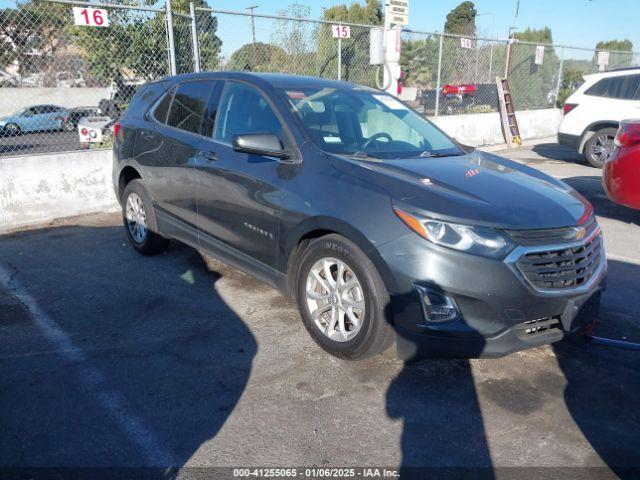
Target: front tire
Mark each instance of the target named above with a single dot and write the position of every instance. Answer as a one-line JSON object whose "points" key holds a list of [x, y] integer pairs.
{"points": [[342, 299], [138, 216], [600, 146]]}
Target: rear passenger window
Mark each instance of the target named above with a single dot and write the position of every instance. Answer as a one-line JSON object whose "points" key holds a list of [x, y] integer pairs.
{"points": [[189, 105], [623, 87]]}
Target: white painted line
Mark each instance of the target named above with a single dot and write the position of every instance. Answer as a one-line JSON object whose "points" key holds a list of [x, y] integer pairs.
{"points": [[111, 401]]}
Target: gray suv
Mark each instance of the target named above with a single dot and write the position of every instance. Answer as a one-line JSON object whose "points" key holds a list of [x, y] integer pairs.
{"points": [[376, 222]]}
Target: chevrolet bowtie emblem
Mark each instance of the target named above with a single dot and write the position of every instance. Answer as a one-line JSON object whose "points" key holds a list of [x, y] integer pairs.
{"points": [[577, 233]]}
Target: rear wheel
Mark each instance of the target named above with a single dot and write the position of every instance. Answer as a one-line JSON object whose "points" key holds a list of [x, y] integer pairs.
{"points": [[139, 220], [600, 146], [342, 299], [12, 129]]}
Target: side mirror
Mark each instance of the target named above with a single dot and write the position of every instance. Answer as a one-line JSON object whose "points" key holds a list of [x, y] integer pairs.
{"points": [[264, 144]]}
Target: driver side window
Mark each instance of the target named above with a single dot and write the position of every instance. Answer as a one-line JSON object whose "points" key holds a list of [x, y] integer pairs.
{"points": [[243, 110]]}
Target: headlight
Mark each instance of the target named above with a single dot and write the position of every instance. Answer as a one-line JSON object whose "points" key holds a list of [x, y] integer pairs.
{"points": [[484, 241]]}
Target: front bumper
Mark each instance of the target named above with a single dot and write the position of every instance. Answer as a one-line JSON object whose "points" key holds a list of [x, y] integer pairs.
{"points": [[500, 312]]}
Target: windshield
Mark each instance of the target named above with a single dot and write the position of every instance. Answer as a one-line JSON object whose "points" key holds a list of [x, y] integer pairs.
{"points": [[366, 123]]}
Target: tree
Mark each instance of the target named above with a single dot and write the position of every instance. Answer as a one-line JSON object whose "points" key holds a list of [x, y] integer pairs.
{"points": [[257, 57], [462, 20], [571, 80], [533, 86], [615, 45], [618, 58], [30, 36], [355, 50]]}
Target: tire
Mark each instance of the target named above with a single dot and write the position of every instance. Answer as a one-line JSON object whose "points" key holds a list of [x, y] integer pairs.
{"points": [[373, 334], [68, 126], [137, 209], [12, 129], [600, 147]]}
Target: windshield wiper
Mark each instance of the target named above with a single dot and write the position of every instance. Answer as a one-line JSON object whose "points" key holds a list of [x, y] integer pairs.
{"points": [[430, 154], [360, 155]]}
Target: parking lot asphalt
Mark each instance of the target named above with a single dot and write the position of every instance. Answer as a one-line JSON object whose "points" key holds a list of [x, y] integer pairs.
{"points": [[112, 359]]}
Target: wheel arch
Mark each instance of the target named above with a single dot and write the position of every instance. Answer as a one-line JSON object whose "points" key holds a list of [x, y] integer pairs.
{"points": [[127, 174], [298, 238], [593, 128]]}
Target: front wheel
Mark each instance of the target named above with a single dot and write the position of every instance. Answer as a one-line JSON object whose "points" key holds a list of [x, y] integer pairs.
{"points": [[139, 221], [600, 147], [342, 299]]}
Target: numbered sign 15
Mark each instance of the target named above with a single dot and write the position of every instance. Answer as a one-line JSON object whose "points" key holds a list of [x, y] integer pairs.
{"points": [[341, 31], [93, 17]]}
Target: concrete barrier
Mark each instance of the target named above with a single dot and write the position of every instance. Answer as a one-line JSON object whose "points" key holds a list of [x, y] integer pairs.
{"points": [[40, 188], [481, 129]]}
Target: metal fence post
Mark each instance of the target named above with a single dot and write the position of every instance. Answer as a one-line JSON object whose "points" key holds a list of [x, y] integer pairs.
{"points": [[172, 46], [559, 75], [439, 75], [339, 58], [194, 37]]}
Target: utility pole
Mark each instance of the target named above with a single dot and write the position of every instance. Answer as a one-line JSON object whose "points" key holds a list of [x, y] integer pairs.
{"points": [[512, 30], [253, 23]]}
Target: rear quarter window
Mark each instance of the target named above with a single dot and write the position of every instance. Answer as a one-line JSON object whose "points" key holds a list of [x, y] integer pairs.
{"points": [[144, 97], [624, 87]]}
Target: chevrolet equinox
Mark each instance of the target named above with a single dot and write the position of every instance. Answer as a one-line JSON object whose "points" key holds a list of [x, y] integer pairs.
{"points": [[376, 222]]}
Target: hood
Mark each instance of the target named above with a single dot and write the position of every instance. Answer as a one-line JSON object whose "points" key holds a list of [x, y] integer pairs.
{"points": [[477, 188]]}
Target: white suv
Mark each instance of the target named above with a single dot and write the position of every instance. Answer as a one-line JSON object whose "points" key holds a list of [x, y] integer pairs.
{"points": [[592, 114]]}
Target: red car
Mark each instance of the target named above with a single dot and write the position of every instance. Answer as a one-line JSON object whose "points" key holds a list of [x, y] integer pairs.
{"points": [[621, 176]]}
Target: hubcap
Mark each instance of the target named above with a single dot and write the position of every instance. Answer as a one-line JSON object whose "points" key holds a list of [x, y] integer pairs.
{"points": [[136, 218], [602, 147], [335, 299]]}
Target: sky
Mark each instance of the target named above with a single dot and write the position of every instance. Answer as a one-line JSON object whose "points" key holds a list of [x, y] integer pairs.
{"points": [[573, 22]]}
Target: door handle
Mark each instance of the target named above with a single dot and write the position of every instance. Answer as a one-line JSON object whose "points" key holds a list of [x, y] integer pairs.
{"points": [[206, 155]]}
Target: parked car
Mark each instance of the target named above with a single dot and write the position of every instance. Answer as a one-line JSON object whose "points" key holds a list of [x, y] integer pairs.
{"points": [[621, 176], [70, 122], [366, 213], [592, 114], [34, 119]]}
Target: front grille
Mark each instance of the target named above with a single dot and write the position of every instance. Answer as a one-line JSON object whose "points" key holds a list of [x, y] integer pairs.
{"points": [[562, 268]]}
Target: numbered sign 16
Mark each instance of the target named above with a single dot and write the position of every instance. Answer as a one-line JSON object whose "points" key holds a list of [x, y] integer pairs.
{"points": [[93, 17], [341, 31]]}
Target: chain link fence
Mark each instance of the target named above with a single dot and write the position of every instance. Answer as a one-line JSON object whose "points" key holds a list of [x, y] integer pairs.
{"points": [[55, 75]]}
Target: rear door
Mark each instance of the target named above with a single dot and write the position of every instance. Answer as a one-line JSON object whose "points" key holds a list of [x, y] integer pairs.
{"points": [[239, 193], [168, 143], [615, 98]]}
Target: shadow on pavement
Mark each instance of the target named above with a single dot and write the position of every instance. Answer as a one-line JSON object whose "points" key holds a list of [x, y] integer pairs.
{"points": [[591, 188], [163, 361], [438, 403], [555, 151]]}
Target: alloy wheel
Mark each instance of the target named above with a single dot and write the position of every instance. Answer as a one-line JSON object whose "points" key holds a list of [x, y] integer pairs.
{"points": [[136, 218], [602, 147], [335, 299]]}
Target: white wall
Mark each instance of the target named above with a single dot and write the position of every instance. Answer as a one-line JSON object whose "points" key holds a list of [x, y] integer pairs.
{"points": [[13, 99], [478, 129], [40, 188]]}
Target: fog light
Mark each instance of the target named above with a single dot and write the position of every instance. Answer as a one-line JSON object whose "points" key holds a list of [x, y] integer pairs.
{"points": [[436, 306]]}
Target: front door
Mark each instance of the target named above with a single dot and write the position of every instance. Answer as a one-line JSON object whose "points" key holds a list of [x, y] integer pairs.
{"points": [[239, 193]]}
